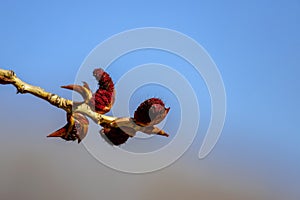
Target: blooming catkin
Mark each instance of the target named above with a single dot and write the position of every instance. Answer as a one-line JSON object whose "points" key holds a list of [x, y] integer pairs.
{"points": [[104, 80], [103, 99]]}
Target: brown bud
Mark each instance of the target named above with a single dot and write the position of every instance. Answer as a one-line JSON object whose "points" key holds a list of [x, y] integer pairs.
{"points": [[150, 112], [76, 128], [117, 136]]}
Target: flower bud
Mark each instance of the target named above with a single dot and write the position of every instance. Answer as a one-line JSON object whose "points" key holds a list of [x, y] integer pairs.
{"points": [[150, 112], [76, 128], [117, 135]]}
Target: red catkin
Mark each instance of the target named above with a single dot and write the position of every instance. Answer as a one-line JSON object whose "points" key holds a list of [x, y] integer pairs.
{"points": [[103, 98], [150, 112]]}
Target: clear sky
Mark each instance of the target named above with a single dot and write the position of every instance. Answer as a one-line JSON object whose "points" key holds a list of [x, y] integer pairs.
{"points": [[255, 44]]}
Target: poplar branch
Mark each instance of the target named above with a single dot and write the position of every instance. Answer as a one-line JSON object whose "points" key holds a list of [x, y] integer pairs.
{"points": [[9, 77]]}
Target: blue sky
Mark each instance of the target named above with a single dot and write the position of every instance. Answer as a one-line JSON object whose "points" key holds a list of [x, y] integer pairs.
{"points": [[255, 45]]}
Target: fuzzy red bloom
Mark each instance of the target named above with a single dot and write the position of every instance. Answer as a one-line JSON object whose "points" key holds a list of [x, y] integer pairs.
{"points": [[104, 97], [102, 101], [150, 112], [104, 80]]}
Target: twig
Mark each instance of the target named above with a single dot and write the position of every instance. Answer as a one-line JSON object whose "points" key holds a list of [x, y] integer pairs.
{"points": [[9, 77]]}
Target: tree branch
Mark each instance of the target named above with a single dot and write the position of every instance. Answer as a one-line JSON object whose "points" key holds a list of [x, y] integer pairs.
{"points": [[9, 77]]}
